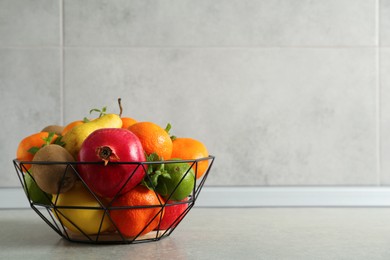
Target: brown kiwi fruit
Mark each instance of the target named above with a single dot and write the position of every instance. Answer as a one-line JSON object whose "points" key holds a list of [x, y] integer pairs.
{"points": [[53, 178], [57, 129]]}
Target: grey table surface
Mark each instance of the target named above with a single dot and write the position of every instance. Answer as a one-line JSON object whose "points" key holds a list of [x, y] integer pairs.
{"points": [[220, 233]]}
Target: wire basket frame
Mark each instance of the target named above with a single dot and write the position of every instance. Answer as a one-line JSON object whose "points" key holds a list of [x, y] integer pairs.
{"points": [[54, 216]]}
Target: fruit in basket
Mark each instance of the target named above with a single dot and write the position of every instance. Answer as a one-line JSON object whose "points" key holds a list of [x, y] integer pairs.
{"points": [[72, 124], [57, 129], [176, 182], [128, 121], [111, 145], [132, 222], [173, 213], [74, 138], [191, 149], [35, 194], [154, 139], [29, 145], [81, 212], [53, 178]]}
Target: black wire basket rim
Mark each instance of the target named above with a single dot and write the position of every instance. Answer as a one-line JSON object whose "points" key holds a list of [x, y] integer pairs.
{"points": [[119, 162]]}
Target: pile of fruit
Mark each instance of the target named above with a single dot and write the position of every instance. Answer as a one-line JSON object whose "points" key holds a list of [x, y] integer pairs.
{"points": [[112, 174]]}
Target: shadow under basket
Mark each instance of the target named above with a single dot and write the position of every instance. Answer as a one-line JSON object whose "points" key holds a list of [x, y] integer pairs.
{"points": [[69, 220]]}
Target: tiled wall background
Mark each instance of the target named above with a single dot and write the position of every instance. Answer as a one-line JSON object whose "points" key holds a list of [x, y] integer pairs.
{"points": [[284, 93]]}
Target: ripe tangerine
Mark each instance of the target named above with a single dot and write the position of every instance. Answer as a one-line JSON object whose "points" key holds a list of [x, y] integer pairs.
{"points": [[154, 139], [71, 125], [191, 149], [35, 140], [132, 222], [128, 121]]}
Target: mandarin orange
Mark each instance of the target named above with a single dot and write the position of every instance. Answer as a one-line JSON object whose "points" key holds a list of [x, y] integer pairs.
{"points": [[71, 125], [154, 139], [191, 149], [37, 140], [143, 218], [128, 121]]}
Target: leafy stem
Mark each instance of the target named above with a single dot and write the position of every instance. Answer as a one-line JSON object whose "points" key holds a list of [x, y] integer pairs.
{"points": [[47, 140], [154, 171], [167, 129], [101, 112]]}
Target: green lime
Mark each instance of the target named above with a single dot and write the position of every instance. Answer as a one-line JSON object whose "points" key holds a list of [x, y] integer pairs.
{"points": [[177, 182], [35, 194]]}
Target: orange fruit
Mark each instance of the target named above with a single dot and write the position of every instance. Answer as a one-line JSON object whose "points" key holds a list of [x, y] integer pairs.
{"points": [[154, 139], [136, 221], [191, 149], [71, 125], [128, 121], [35, 140]]}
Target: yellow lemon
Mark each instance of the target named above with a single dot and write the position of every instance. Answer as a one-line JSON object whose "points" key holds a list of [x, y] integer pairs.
{"points": [[78, 210]]}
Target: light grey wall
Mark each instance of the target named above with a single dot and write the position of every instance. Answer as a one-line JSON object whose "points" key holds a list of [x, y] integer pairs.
{"points": [[282, 92]]}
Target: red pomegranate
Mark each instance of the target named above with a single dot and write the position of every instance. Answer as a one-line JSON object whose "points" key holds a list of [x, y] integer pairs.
{"points": [[111, 145]]}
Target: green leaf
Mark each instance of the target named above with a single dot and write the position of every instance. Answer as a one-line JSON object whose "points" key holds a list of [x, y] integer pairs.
{"points": [[154, 171], [166, 175], [94, 110], [59, 141], [146, 184], [153, 157], [101, 112], [163, 189], [48, 139], [154, 178], [151, 180], [167, 129], [33, 150]]}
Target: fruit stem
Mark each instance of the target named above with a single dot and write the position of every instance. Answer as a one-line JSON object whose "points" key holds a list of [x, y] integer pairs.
{"points": [[167, 129], [120, 107]]}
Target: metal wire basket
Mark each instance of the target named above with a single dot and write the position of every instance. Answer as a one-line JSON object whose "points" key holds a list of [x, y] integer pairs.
{"points": [[68, 228]]}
